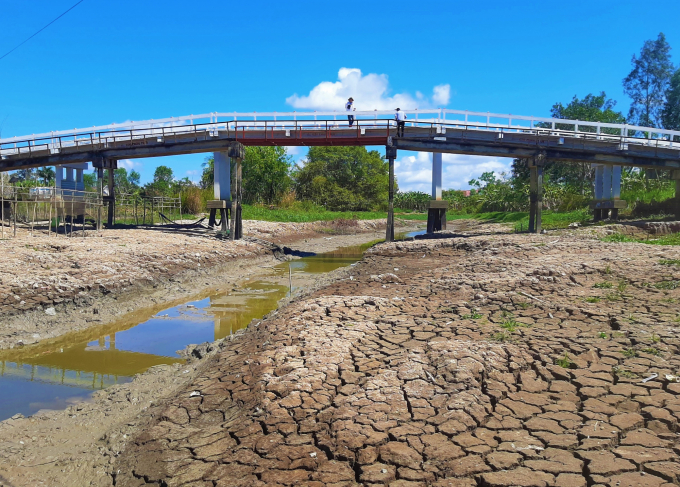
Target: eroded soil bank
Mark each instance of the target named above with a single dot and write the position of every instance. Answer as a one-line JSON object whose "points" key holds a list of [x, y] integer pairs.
{"points": [[484, 360], [55, 285]]}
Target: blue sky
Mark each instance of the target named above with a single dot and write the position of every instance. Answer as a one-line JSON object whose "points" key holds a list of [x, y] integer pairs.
{"points": [[108, 62]]}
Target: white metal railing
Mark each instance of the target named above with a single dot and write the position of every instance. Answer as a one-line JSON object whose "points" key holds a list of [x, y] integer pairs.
{"points": [[212, 123]]}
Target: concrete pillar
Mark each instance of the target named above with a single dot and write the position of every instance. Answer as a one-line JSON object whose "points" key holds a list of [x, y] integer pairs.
{"points": [[437, 176], [237, 153], [59, 175], [676, 176], [536, 192], [607, 182], [222, 176], [391, 155], [616, 182], [436, 211]]}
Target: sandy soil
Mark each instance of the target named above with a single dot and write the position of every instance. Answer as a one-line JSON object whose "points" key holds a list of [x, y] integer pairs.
{"points": [[77, 446]]}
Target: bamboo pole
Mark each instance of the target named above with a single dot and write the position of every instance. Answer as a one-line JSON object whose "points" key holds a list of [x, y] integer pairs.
{"points": [[3, 205], [71, 228], [35, 205], [49, 225], [16, 202]]}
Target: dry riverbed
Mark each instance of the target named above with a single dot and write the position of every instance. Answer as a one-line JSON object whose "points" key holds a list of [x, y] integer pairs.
{"points": [[50, 286], [65, 447], [486, 360]]}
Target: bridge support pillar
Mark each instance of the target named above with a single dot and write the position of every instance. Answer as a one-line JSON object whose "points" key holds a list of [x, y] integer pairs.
{"points": [[536, 192], [607, 192], [436, 210], [237, 152], [108, 195], [676, 201], [221, 189], [391, 155]]}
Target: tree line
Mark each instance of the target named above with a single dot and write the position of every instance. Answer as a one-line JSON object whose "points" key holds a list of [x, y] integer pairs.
{"points": [[355, 179]]}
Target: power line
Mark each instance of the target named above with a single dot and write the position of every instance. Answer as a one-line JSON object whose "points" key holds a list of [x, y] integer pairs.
{"points": [[17, 47]]}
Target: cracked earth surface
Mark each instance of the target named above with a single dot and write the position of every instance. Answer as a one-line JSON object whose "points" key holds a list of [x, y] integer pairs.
{"points": [[500, 361]]}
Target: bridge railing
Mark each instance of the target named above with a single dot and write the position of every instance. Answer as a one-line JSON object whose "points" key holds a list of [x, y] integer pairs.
{"points": [[216, 122]]}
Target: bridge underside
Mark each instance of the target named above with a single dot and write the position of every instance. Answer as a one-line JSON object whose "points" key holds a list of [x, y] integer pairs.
{"points": [[600, 149]]}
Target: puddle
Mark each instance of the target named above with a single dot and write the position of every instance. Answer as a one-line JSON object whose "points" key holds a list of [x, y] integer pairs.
{"points": [[67, 370]]}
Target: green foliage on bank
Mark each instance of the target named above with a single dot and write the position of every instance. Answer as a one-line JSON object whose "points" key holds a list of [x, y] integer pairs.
{"points": [[670, 239]]}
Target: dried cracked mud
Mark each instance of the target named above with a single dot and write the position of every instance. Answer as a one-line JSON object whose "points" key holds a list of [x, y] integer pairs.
{"points": [[491, 361]]}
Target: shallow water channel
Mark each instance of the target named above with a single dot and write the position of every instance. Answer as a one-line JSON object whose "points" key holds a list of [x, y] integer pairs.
{"points": [[68, 369]]}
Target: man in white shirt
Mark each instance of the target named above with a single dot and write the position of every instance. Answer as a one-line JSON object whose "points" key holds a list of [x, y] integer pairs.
{"points": [[400, 117], [349, 107]]}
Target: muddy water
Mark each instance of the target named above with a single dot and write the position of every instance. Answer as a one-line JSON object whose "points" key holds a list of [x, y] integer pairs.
{"points": [[67, 370]]}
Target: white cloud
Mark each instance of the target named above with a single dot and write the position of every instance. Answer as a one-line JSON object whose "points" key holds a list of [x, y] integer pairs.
{"points": [[414, 172], [130, 164], [370, 92]]}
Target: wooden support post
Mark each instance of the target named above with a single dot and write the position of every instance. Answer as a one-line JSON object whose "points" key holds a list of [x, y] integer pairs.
{"points": [[391, 155], [2, 200], [536, 192], [14, 213], [112, 200]]}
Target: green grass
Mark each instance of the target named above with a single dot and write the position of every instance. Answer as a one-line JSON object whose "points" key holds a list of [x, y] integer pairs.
{"points": [[262, 213], [629, 353], [669, 262], [652, 351], [603, 285], [592, 299], [564, 362], [668, 285], [625, 373], [473, 316], [501, 337], [550, 220], [670, 239]]}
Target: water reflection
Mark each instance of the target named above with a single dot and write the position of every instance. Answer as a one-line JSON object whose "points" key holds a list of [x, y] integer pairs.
{"points": [[68, 369]]}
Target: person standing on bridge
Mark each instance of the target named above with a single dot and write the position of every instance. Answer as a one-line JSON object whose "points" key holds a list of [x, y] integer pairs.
{"points": [[400, 117], [350, 108]]}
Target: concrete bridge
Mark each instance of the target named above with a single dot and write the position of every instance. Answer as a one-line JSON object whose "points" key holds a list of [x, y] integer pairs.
{"points": [[607, 146]]}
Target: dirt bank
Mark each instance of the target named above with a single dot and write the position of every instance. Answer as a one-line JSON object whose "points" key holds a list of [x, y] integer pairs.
{"points": [[51, 286], [484, 361]]}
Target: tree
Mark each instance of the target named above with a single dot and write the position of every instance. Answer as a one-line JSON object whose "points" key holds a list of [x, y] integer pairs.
{"points": [[343, 178], [124, 182], [671, 111], [648, 82], [46, 175], [162, 182], [163, 174], [266, 174], [592, 108]]}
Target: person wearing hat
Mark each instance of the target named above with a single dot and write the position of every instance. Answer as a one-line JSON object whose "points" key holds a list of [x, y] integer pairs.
{"points": [[349, 107], [400, 117]]}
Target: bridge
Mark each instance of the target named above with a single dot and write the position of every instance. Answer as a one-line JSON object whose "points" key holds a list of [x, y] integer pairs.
{"points": [[605, 145]]}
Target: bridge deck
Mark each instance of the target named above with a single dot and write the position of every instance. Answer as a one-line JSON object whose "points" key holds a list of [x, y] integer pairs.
{"points": [[469, 133]]}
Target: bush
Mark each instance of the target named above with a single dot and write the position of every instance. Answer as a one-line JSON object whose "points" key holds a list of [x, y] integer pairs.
{"points": [[192, 201]]}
